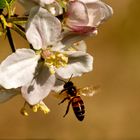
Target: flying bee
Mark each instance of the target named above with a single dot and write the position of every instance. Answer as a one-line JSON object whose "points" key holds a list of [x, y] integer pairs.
{"points": [[73, 95]]}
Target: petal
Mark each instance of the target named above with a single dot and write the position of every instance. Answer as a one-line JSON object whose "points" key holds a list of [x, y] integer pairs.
{"points": [[77, 46], [80, 46], [83, 29], [18, 68], [6, 94], [55, 9], [43, 3], [58, 46], [39, 88], [98, 12], [59, 83], [89, 1], [77, 14], [31, 3], [78, 18], [42, 29], [73, 37], [79, 63]]}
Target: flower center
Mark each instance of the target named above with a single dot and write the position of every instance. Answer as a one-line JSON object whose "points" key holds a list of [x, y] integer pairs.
{"points": [[54, 59]]}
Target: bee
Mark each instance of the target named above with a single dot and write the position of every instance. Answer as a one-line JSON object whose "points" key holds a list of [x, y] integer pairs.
{"points": [[73, 95]]}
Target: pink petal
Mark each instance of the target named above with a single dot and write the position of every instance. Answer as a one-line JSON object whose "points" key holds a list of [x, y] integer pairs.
{"points": [[77, 14], [98, 12]]}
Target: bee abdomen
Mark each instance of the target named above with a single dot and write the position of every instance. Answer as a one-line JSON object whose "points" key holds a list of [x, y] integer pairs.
{"points": [[78, 108]]}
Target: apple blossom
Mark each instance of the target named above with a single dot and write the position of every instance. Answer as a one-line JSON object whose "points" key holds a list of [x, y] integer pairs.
{"points": [[42, 3], [55, 30], [51, 5], [85, 16], [36, 70]]}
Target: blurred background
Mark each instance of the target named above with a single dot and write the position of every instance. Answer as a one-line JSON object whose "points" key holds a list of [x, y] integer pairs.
{"points": [[113, 113]]}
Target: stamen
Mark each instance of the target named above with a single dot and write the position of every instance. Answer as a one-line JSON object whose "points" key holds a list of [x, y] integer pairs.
{"points": [[54, 60], [42, 107], [23, 110], [35, 108]]}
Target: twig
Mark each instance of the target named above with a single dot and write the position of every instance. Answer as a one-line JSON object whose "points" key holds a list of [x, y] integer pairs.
{"points": [[10, 39]]}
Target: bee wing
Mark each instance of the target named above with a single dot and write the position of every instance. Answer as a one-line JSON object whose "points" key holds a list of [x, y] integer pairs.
{"points": [[89, 90], [59, 96]]}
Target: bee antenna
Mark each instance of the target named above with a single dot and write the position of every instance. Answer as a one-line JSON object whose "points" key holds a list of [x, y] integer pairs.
{"points": [[70, 77], [61, 80]]}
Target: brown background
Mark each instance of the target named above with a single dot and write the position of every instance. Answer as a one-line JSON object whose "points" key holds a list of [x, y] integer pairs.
{"points": [[113, 113]]}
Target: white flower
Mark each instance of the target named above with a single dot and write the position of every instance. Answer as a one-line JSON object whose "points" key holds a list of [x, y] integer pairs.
{"points": [[51, 5], [30, 3], [36, 71], [7, 94], [18, 69], [85, 15]]}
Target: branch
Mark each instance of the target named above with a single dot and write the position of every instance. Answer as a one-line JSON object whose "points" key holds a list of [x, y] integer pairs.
{"points": [[10, 39]]}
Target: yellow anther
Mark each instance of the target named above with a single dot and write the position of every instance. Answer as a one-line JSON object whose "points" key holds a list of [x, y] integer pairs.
{"points": [[35, 108], [65, 59], [53, 56], [24, 112], [51, 69], [44, 108], [59, 55], [41, 107], [54, 60], [71, 49]]}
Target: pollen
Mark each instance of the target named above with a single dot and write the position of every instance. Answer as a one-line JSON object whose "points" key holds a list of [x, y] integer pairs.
{"points": [[54, 60], [41, 107]]}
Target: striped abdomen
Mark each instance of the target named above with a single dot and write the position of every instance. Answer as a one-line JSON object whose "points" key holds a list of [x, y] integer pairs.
{"points": [[78, 107]]}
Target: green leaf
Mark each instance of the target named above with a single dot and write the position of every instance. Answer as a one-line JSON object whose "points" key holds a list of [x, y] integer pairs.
{"points": [[3, 3]]}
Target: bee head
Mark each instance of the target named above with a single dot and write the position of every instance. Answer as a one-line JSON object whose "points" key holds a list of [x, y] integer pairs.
{"points": [[68, 84]]}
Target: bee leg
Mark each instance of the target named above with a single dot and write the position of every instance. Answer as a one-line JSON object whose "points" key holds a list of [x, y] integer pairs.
{"points": [[67, 108], [62, 91], [63, 100]]}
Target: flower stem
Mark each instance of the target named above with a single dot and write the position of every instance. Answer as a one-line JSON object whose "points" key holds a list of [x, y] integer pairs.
{"points": [[1, 10], [19, 30], [10, 39]]}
